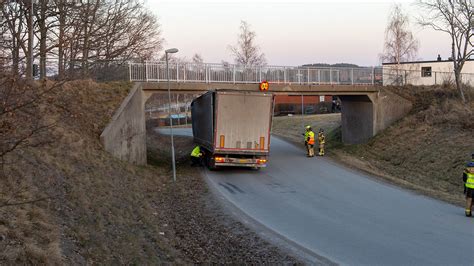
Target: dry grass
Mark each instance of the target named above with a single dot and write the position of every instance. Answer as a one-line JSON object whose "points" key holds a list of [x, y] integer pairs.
{"points": [[100, 209]]}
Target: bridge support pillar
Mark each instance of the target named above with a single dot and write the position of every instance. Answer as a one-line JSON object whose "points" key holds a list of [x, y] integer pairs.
{"points": [[363, 116], [357, 118]]}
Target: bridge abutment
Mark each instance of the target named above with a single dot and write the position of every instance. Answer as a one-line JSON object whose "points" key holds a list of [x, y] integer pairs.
{"points": [[125, 136], [357, 118]]}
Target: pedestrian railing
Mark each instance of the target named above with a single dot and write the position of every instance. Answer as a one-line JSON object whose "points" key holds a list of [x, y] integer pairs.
{"points": [[229, 73]]}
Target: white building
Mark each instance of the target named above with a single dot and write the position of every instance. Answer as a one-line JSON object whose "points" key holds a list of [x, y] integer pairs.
{"points": [[426, 72]]}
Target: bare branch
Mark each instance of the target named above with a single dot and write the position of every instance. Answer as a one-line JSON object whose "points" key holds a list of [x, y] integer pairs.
{"points": [[246, 52], [454, 17]]}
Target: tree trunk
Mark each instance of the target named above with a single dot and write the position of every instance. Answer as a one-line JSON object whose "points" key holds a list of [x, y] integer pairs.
{"points": [[43, 33], [29, 56], [15, 57], [457, 77], [61, 40]]}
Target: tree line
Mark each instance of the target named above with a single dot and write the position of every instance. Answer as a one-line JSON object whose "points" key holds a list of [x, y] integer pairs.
{"points": [[76, 34]]}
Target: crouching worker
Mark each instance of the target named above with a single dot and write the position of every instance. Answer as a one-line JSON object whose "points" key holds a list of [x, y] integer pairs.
{"points": [[468, 178], [196, 156]]}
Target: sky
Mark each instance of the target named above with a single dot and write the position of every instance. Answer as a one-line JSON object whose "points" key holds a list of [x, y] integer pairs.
{"points": [[290, 33]]}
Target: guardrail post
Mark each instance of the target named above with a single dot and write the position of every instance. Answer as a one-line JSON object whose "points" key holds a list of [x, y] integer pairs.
{"points": [[146, 71], [260, 73], [234, 74], [352, 76], [373, 75], [308, 79], [330, 75], [130, 71], [177, 71]]}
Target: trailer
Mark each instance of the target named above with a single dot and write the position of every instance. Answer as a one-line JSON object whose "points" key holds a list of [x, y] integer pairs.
{"points": [[233, 127]]}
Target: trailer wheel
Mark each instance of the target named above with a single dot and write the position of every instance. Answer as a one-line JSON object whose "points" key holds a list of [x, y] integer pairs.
{"points": [[209, 163]]}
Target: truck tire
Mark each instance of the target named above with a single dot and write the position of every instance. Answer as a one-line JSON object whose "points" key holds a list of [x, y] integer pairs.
{"points": [[209, 163]]}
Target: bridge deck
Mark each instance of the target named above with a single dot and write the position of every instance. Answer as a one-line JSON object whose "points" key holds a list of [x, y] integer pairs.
{"points": [[161, 87]]}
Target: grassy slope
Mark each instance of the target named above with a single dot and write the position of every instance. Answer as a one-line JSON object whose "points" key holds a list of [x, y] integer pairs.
{"points": [[98, 205]]}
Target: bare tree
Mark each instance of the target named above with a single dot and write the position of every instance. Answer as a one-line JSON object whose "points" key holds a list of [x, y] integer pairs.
{"points": [[456, 18], [197, 59], [78, 34], [13, 20], [400, 44], [247, 52], [23, 108]]}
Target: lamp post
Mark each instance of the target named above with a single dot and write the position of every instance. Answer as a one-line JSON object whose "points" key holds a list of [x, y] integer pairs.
{"points": [[170, 51]]}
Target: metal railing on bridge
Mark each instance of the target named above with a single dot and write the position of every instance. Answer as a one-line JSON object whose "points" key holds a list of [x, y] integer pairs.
{"points": [[229, 73]]}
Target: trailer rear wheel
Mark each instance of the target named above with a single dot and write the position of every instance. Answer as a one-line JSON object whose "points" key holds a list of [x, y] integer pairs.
{"points": [[210, 163]]}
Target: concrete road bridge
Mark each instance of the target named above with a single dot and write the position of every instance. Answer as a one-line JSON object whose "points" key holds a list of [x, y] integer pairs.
{"points": [[367, 107]]}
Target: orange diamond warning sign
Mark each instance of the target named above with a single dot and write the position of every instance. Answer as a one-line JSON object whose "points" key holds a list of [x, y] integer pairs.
{"points": [[264, 85]]}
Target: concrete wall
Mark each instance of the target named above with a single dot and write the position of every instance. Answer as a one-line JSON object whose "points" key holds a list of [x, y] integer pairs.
{"points": [[363, 116], [388, 108], [125, 136], [357, 118]]}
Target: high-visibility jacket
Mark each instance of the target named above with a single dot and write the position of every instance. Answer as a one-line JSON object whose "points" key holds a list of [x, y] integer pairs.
{"points": [[469, 172], [196, 152], [321, 138], [309, 137]]}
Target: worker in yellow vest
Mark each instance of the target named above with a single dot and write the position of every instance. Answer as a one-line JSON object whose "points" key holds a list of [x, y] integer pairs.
{"points": [[196, 156], [321, 141], [468, 178], [309, 141]]}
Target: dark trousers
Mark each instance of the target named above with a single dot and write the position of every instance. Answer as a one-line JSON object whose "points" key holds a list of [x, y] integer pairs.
{"points": [[196, 161]]}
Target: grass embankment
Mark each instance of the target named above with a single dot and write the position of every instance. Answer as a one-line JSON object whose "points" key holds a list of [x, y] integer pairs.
{"points": [[91, 208], [425, 151], [97, 209]]}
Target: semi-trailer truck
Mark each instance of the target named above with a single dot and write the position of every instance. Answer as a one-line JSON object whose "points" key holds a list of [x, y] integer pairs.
{"points": [[233, 127]]}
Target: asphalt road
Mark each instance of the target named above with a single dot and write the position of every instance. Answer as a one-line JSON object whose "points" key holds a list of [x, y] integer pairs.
{"points": [[343, 215]]}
